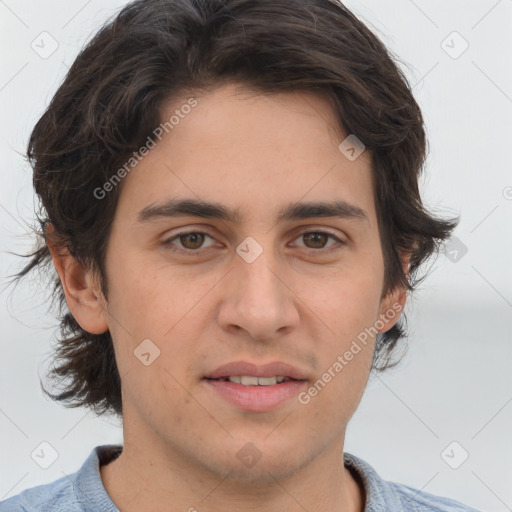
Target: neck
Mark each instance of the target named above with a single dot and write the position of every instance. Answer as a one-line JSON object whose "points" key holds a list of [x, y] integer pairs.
{"points": [[153, 472], [149, 477]]}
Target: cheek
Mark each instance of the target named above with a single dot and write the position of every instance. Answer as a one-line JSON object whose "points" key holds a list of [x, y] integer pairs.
{"points": [[145, 298], [348, 305], [158, 304], [347, 300]]}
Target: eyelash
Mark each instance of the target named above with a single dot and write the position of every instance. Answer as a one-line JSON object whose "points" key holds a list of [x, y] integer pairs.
{"points": [[192, 252]]}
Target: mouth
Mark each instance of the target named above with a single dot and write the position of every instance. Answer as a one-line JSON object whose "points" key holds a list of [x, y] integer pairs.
{"points": [[251, 380], [255, 388], [252, 374]]}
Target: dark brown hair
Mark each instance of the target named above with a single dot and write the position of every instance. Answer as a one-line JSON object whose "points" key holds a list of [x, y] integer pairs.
{"points": [[153, 50]]}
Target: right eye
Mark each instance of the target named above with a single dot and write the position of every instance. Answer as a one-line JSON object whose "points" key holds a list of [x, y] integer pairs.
{"points": [[190, 241]]}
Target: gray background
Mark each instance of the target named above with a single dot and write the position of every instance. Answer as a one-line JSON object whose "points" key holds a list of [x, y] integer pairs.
{"points": [[455, 382]]}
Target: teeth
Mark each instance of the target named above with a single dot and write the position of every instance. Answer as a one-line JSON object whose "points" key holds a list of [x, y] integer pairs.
{"points": [[257, 381]]}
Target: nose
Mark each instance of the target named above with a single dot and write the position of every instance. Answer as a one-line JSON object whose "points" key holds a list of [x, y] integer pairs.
{"points": [[258, 298]]}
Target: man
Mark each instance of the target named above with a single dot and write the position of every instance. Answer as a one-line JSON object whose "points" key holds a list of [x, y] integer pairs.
{"points": [[230, 195]]}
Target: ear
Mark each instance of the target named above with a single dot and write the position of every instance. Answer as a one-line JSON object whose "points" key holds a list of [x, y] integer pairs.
{"points": [[393, 303], [81, 287]]}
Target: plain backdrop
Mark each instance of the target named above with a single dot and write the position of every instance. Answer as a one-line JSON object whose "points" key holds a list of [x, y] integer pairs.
{"points": [[451, 397]]}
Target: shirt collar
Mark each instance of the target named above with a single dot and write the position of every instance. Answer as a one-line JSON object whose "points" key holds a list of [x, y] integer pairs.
{"points": [[379, 495], [88, 485]]}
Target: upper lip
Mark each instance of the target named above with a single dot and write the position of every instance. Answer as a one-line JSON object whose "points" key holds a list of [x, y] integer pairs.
{"points": [[241, 368]]}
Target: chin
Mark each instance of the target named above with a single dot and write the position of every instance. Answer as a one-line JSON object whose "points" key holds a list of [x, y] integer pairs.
{"points": [[252, 466], [263, 473]]}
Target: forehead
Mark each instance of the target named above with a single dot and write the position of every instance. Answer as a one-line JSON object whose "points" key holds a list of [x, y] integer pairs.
{"points": [[232, 113], [249, 150]]}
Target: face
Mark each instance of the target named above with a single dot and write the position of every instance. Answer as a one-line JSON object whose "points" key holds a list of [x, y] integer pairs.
{"points": [[205, 289]]}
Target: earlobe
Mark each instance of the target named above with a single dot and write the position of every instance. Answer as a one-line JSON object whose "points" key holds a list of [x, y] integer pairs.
{"points": [[81, 288]]}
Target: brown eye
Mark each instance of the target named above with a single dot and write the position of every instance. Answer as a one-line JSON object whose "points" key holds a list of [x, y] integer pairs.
{"points": [[317, 240], [192, 240], [188, 242]]}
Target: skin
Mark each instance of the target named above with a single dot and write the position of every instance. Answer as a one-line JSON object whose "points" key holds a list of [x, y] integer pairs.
{"points": [[297, 302]]}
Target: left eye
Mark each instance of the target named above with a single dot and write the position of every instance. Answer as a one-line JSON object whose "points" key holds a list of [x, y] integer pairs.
{"points": [[191, 242], [319, 238]]}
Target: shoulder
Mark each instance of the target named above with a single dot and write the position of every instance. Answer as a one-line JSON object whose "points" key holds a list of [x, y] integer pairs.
{"points": [[420, 501], [57, 495], [81, 491], [384, 496]]}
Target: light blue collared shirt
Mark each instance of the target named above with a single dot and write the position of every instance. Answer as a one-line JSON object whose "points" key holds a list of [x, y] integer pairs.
{"points": [[83, 491]]}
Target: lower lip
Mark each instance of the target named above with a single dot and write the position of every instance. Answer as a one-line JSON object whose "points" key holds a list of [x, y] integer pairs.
{"points": [[256, 398]]}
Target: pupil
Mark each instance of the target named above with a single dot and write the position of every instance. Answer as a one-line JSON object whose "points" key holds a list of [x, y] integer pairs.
{"points": [[315, 236], [197, 236]]}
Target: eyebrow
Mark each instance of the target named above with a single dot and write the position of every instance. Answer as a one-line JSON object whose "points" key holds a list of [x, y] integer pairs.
{"points": [[208, 210]]}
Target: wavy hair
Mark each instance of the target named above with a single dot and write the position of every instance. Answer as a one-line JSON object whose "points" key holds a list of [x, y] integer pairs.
{"points": [[154, 50]]}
